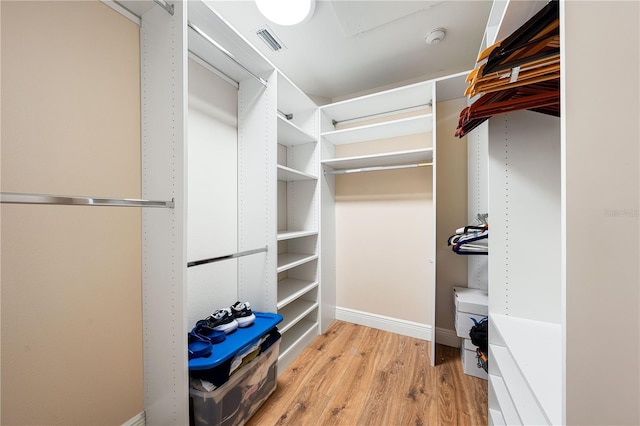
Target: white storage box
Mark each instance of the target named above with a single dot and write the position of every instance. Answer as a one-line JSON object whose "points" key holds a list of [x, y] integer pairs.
{"points": [[471, 305], [470, 361], [240, 397]]}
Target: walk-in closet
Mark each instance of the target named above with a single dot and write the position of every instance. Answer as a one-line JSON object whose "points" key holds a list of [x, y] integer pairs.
{"points": [[387, 213]]}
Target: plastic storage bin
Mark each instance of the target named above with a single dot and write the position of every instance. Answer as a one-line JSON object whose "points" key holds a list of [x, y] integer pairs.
{"points": [[240, 397]]}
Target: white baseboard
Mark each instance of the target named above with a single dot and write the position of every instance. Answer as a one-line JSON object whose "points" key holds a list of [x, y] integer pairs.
{"points": [[139, 419], [381, 322], [447, 337]]}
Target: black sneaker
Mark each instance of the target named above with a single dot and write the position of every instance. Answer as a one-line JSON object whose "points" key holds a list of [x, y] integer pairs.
{"points": [[243, 314], [223, 320]]}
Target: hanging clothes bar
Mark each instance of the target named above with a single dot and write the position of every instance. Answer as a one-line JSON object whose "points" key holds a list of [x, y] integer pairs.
{"points": [[166, 6], [383, 114], [229, 256], [225, 52], [376, 168], [66, 200]]}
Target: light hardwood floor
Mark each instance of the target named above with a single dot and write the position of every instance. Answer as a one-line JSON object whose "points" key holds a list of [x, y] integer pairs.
{"points": [[356, 375]]}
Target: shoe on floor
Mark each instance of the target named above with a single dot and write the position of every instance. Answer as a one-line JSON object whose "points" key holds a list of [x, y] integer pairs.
{"points": [[223, 320], [242, 313]]}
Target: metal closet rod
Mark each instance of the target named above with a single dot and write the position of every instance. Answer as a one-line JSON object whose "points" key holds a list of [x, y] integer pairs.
{"points": [[166, 6], [378, 114], [376, 168], [229, 256], [225, 52], [67, 200]]}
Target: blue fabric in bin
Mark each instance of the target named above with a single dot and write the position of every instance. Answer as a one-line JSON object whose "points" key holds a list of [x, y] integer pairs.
{"points": [[237, 341]]}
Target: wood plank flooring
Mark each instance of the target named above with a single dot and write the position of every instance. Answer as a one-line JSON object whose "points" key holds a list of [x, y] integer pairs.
{"points": [[355, 375]]}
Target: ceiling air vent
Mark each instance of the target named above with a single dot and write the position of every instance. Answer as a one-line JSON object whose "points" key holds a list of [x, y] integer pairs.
{"points": [[266, 34]]}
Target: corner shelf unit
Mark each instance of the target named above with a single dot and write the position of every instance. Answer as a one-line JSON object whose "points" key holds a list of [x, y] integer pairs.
{"points": [[424, 155], [298, 213]]}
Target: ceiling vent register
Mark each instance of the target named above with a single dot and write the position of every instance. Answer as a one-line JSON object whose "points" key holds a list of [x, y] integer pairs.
{"points": [[268, 37]]}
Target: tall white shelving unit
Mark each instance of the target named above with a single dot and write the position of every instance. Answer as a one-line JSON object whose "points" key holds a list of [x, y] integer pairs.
{"points": [[298, 222], [526, 377], [280, 229]]}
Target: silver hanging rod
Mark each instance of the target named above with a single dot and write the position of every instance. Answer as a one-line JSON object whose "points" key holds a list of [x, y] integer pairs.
{"points": [[229, 256], [375, 169], [65, 200], [166, 6], [382, 114], [226, 52]]}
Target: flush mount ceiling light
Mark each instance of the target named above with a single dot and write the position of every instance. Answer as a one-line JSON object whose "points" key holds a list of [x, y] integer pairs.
{"points": [[286, 12], [435, 36]]}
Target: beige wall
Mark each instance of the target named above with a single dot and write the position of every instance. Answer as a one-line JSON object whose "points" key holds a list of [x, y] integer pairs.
{"points": [[71, 276], [602, 169], [451, 205], [384, 235]]}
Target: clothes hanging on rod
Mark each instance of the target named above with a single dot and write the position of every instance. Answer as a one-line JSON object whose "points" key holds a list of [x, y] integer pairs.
{"points": [[470, 240], [520, 72]]}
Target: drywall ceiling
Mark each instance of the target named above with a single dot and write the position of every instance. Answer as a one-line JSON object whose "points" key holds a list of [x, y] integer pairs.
{"points": [[351, 47]]}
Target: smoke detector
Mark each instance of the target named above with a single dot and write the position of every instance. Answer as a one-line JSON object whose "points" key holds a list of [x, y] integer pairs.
{"points": [[435, 36]]}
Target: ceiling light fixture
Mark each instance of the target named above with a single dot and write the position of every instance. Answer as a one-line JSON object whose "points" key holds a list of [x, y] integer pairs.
{"points": [[286, 12], [435, 36]]}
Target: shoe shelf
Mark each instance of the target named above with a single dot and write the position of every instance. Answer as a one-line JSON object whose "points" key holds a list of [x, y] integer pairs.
{"points": [[288, 235], [536, 397], [295, 312], [423, 155], [291, 289], [287, 261], [297, 338]]}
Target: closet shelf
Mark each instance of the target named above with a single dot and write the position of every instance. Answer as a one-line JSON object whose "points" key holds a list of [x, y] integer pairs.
{"points": [[294, 313], [291, 289], [517, 334], [296, 335], [380, 160], [287, 261], [414, 95], [288, 235], [508, 414], [289, 134], [291, 175], [388, 129]]}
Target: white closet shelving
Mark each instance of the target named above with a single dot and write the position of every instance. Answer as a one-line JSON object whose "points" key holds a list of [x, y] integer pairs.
{"points": [[384, 130], [298, 220], [285, 277]]}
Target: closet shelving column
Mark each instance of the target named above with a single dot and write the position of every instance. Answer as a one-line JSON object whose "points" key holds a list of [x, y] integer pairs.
{"points": [[362, 123], [298, 220]]}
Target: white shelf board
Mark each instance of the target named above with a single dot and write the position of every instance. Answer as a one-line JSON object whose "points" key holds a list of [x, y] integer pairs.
{"points": [[289, 134], [542, 374], [523, 399], [389, 100], [384, 130], [291, 289], [291, 260], [495, 418], [294, 313], [291, 98], [297, 334], [291, 175], [376, 160], [509, 413], [288, 235]]}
